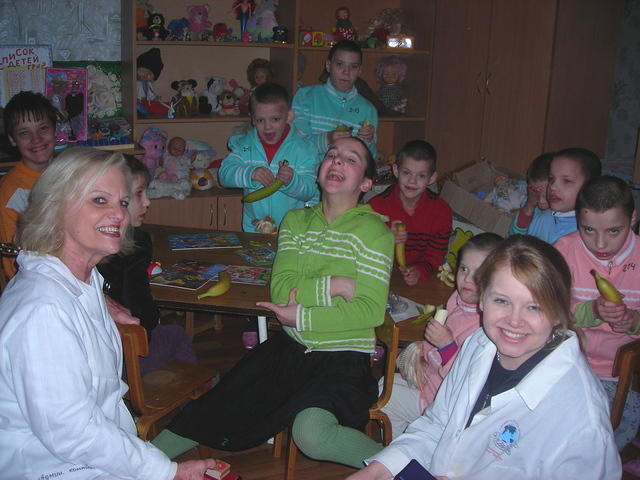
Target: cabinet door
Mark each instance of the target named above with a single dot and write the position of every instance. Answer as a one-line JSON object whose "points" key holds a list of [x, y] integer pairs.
{"points": [[195, 212], [230, 213], [518, 80], [454, 124]]}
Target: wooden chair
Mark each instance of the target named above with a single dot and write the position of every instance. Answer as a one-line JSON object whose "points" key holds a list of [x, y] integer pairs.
{"points": [[626, 367], [162, 391], [192, 329], [389, 334]]}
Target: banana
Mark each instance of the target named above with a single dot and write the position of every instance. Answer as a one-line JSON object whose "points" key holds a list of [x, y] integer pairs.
{"points": [[400, 256], [446, 275], [221, 286], [441, 316], [264, 192], [606, 288], [425, 313], [343, 128]]}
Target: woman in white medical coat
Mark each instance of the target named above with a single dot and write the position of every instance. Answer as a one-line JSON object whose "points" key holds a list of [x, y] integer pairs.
{"points": [[61, 409], [520, 401]]}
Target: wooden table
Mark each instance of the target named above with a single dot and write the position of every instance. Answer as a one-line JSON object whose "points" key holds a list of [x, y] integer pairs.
{"points": [[241, 299]]}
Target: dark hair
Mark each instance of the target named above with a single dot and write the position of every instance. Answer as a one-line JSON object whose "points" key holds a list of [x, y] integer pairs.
{"points": [[138, 169], [270, 92], [345, 46], [370, 169], [589, 161], [539, 168], [28, 105], [258, 64], [604, 193], [486, 241], [419, 150]]}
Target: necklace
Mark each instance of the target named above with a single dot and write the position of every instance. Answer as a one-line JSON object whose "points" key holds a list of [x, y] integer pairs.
{"points": [[498, 356]]}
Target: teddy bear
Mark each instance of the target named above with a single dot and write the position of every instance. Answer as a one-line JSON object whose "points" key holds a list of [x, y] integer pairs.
{"points": [[208, 100], [155, 27], [228, 103], [198, 20], [243, 94], [185, 102], [154, 142]]}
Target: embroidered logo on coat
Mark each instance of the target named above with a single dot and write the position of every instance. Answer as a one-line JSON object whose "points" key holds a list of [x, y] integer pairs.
{"points": [[504, 440]]}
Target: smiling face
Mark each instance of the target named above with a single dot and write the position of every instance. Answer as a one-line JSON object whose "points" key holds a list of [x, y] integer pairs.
{"points": [[512, 319], [566, 178], [414, 176], [270, 120], [471, 260], [604, 233], [94, 224], [139, 201], [344, 69], [343, 168], [35, 140]]}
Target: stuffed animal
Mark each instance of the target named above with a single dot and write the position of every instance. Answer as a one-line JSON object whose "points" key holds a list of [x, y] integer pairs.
{"points": [[167, 188], [202, 175], [198, 20], [228, 103], [155, 27], [178, 29], [260, 24], [508, 194], [175, 162], [243, 94], [185, 102], [266, 225], [221, 32], [208, 100], [154, 142]]}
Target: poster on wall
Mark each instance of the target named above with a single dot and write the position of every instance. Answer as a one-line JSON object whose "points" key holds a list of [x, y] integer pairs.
{"points": [[67, 90], [22, 67]]}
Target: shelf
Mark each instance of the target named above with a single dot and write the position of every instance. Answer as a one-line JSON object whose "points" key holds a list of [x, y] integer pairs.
{"points": [[151, 119], [401, 119], [216, 44], [373, 51]]}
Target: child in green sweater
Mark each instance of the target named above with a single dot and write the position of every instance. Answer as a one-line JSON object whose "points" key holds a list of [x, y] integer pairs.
{"points": [[329, 289]]}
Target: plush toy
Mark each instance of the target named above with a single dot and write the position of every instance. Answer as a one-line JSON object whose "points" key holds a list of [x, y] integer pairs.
{"points": [[175, 162], [508, 194], [208, 100], [203, 174], [198, 20], [178, 29], [221, 33], [243, 94], [378, 33], [228, 103], [186, 101], [149, 66], [344, 29], [154, 142], [167, 188], [390, 73], [261, 23], [266, 225], [155, 27]]}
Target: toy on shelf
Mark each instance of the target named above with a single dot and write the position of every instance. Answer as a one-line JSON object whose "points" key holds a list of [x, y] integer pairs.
{"points": [[204, 166], [228, 103], [280, 34], [112, 134], [242, 94], [344, 29], [149, 66], [199, 22], [390, 73], [259, 71], [155, 27], [175, 162], [244, 10], [221, 33], [208, 100], [185, 101], [67, 90], [378, 33], [178, 29], [261, 24], [154, 142]]}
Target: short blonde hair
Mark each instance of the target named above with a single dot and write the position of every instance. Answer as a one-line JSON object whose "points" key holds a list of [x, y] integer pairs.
{"points": [[69, 178]]}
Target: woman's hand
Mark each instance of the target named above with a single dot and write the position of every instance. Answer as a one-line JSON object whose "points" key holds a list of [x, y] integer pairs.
{"points": [[344, 287], [374, 471], [286, 313], [438, 335], [194, 469], [263, 175], [120, 314]]}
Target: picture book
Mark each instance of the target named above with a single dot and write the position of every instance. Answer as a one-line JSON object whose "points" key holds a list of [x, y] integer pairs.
{"points": [[22, 67], [248, 275], [187, 274], [199, 241], [67, 90], [257, 255]]}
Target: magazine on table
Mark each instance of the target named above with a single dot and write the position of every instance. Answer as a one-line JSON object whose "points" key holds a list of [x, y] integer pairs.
{"points": [[257, 255], [201, 241], [187, 274]]}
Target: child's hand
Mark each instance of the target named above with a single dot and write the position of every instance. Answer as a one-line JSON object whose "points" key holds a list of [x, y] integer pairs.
{"points": [[344, 287], [120, 314], [411, 275], [286, 313], [366, 132], [399, 236], [334, 135], [616, 314], [285, 173], [263, 175], [438, 335]]}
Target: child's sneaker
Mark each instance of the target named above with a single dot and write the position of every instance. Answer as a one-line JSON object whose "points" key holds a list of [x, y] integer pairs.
{"points": [[249, 339]]}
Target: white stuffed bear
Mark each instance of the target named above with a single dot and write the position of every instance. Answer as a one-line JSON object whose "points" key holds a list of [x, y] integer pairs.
{"points": [[167, 188], [208, 100]]}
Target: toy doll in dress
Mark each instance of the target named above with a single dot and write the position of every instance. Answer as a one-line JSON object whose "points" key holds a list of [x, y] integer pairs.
{"points": [[243, 10], [390, 73], [149, 66], [258, 72], [175, 163], [344, 29]]}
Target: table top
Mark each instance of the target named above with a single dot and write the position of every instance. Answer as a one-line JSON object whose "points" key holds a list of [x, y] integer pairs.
{"points": [[241, 298]]}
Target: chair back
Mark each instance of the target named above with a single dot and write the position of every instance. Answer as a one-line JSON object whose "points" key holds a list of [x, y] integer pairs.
{"points": [[389, 334], [134, 345], [625, 366]]}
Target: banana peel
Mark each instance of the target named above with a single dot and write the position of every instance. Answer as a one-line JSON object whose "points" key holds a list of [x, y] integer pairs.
{"points": [[220, 287], [343, 128], [445, 275], [264, 192], [426, 313], [606, 288], [400, 255]]}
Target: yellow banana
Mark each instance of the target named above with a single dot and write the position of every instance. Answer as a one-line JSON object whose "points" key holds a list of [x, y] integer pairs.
{"points": [[343, 128], [606, 288], [264, 192], [441, 316], [446, 275], [221, 286], [400, 256]]}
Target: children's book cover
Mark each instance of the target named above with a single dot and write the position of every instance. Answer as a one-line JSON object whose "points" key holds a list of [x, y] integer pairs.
{"points": [[67, 90], [257, 255], [200, 241], [187, 274], [248, 275], [22, 67]]}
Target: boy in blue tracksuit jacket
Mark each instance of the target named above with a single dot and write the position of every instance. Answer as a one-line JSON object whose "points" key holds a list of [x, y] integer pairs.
{"points": [[319, 109], [258, 157]]}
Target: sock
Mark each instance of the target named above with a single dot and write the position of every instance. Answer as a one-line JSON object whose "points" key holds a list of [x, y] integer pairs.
{"points": [[319, 435], [171, 444]]}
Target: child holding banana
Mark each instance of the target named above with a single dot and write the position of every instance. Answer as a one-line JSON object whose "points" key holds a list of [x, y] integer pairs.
{"points": [[609, 311], [274, 165], [418, 219]]}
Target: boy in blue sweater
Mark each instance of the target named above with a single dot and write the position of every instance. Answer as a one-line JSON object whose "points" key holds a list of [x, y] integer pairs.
{"points": [[258, 157], [320, 109]]}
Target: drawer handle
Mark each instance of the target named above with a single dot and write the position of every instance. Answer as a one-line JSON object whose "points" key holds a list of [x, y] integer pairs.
{"points": [[224, 214], [478, 87], [211, 215], [486, 84]]}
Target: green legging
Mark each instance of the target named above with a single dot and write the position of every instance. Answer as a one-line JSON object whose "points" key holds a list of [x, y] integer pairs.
{"points": [[319, 435]]}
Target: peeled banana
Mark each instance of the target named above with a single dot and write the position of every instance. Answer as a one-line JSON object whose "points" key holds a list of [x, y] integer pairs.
{"points": [[445, 275], [264, 192], [221, 286], [428, 312], [400, 256], [606, 288]]}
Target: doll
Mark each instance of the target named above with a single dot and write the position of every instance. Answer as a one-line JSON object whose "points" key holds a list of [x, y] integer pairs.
{"points": [[154, 142], [185, 100], [258, 72], [344, 29], [175, 163], [149, 66], [390, 73], [155, 27], [243, 10]]}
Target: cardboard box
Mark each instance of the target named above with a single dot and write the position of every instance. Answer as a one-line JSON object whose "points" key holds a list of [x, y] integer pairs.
{"points": [[460, 194]]}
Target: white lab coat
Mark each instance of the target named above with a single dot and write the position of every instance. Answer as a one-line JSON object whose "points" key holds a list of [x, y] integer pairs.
{"points": [[553, 425], [61, 410]]}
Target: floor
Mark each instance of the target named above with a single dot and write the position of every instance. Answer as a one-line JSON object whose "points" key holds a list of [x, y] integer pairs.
{"points": [[221, 350]]}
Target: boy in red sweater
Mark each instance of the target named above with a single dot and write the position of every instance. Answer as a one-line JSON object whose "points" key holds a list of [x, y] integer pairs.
{"points": [[427, 218]]}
